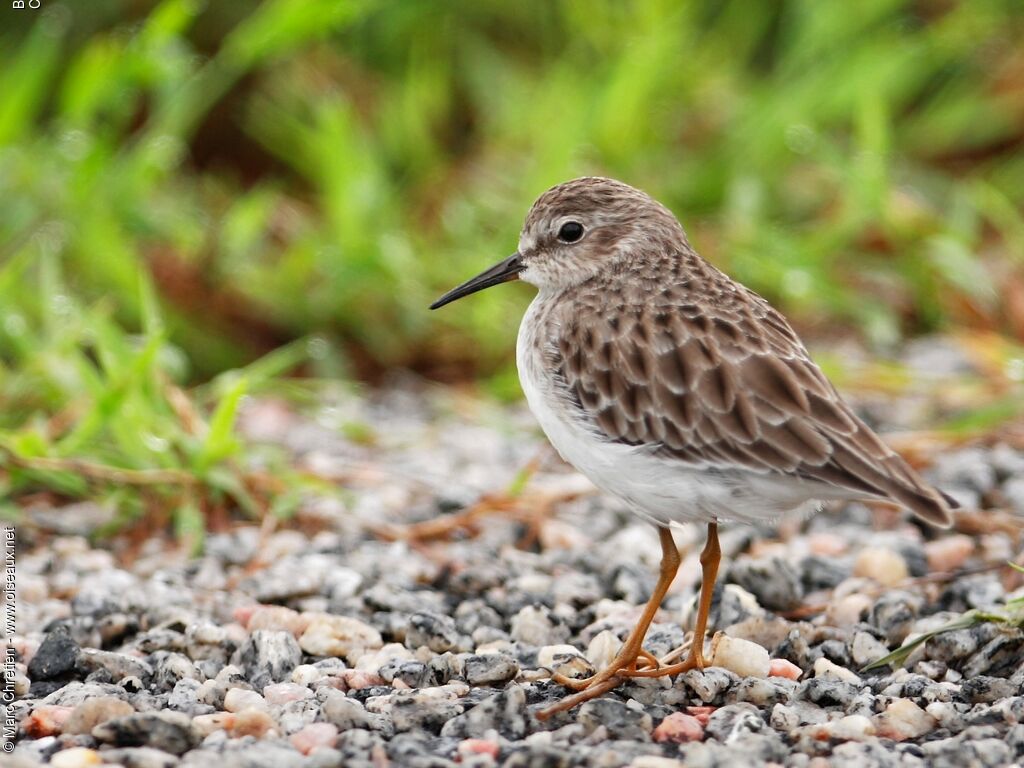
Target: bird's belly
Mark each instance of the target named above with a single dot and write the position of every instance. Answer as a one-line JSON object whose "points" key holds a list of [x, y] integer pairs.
{"points": [[660, 489]]}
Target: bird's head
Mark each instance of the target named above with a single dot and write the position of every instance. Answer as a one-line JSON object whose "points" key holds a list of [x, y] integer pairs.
{"points": [[577, 230]]}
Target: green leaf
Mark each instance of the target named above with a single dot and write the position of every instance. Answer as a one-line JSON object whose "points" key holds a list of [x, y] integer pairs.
{"points": [[969, 619], [220, 442]]}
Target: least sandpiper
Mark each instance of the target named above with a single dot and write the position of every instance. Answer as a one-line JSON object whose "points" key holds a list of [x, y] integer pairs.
{"points": [[678, 390]]}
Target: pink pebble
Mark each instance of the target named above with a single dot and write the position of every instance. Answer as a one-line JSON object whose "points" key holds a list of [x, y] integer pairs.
{"points": [[703, 714], [314, 735], [679, 728], [356, 679], [243, 613], [282, 693], [478, 747], [46, 721], [783, 668]]}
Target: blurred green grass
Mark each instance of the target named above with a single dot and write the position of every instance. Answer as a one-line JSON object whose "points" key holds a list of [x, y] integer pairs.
{"points": [[270, 171], [283, 168]]}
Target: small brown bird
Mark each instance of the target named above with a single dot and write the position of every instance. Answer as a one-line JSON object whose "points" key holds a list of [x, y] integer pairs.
{"points": [[678, 390]]}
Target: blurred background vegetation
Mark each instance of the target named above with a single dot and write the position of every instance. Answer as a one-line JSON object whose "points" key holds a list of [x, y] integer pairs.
{"points": [[187, 187]]}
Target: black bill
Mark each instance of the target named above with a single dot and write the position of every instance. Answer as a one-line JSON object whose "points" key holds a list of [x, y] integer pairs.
{"points": [[501, 272]]}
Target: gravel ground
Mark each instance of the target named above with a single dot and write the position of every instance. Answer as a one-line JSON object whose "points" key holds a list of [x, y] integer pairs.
{"points": [[325, 644]]}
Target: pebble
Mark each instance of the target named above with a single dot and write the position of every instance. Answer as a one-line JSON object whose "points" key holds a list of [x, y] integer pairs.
{"points": [[314, 736], [948, 553], [601, 650], [849, 728], [742, 657], [882, 564], [344, 712], [893, 614], [75, 757], [866, 649], [56, 656], [140, 757], [92, 712], [168, 731], [430, 630], [503, 713], [237, 699], [848, 611], [328, 635], [784, 668], [818, 572], [679, 728], [489, 668], [273, 617], [119, 665], [903, 720], [282, 693], [486, 747], [773, 581], [46, 720], [617, 718], [762, 692], [375, 653], [207, 724], [252, 722], [825, 668], [567, 660], [422, 710], [710, 683], [533, 625]]}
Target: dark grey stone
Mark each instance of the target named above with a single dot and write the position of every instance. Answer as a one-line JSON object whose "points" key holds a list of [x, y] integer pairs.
{"points": [[772, 580], [620, 720], [57, 655], [504, 712], [168, 731]]}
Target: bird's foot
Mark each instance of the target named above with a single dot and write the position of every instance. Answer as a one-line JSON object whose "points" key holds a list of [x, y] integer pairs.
{"points": [[617, 673]]}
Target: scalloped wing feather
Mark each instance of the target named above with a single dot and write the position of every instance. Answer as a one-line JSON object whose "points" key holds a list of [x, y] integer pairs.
{"points": [[727, 385]]}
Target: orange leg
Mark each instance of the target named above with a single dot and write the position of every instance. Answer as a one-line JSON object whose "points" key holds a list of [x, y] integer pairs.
{"points": [[623, 666], [710, 558], [652, 661], [626, 659]]}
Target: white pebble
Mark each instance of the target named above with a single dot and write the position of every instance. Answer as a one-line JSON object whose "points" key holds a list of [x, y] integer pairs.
{"points": [[237, 699], [546, 655], [881, 564], [847, 611], [743, 657], [531, 626], [329, 635], [306, 674], [825, 668], [374, 660], [603, 648], [853, 727], [903, 719]]}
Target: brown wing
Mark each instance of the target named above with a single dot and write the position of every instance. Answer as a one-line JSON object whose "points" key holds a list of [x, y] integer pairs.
{"points": [[731, 387]]}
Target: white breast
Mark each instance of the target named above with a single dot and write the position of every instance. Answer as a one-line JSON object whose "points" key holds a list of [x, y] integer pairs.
{"points": [[662, 490]]}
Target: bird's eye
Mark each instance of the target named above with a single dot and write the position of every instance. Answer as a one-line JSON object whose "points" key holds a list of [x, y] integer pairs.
{"points": [[570, 232]]}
